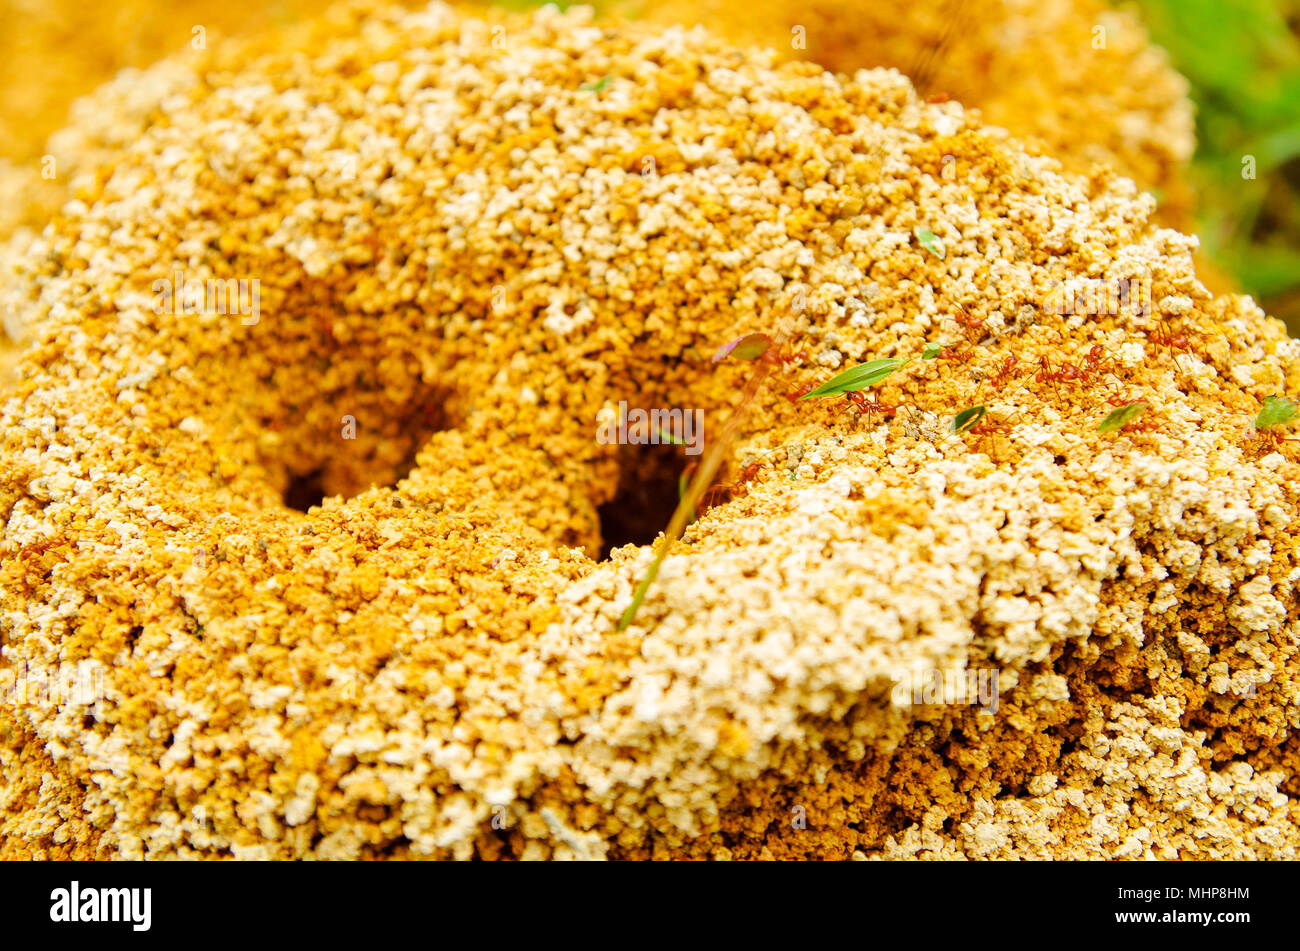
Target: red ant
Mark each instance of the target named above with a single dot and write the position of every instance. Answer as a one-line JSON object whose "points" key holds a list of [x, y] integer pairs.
{"points": [[989, 428], [726, 491], [1093, 363], [1145, 423], [1005, 372], [1162, 336], [1095, 359], [36, 549], [974, 327], [956, 355], [33, 552], [1274, 435], [783, 357], [801, 392], [1082, 371], [1047, 374], [935, 99], [1096, 363], [868, 404], [1071, 373]]}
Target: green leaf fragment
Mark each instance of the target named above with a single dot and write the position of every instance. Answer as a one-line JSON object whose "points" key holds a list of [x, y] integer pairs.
{"points": [[931, 242], [856, 378], [1118, 419], [748, 347], [931, 351], [1277, 411], [967, 418], [599, 86]]}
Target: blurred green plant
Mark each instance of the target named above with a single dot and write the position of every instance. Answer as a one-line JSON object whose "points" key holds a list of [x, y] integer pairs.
{"points": [[1242, 58]]}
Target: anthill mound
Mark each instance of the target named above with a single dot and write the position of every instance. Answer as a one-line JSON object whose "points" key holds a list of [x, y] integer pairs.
{"points": [[472, 240]]}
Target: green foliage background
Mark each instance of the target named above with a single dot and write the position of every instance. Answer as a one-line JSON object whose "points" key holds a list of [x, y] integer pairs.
{"points": [[1242, 58]]}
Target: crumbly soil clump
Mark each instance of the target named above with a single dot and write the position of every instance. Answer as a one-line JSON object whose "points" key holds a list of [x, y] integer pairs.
{"points": [[1078, 77], [1074, 74], [1041, 70], [463, 250]]}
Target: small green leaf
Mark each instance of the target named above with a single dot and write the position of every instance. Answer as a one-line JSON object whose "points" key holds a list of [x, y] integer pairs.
{"points": [[856, 378], [748, 347], [1118, 419], [931, 351], [599, 86], [665, 436], [931, 242], [965, 420], [1277, 411]]}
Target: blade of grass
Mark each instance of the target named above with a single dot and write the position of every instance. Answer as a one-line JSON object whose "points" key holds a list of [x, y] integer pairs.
{"points": [[856, 378], [700, 483]]}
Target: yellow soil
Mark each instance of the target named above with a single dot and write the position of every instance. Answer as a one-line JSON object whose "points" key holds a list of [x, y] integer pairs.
{"points": [[1076, 76], [459, 246], [1038, 69]]}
